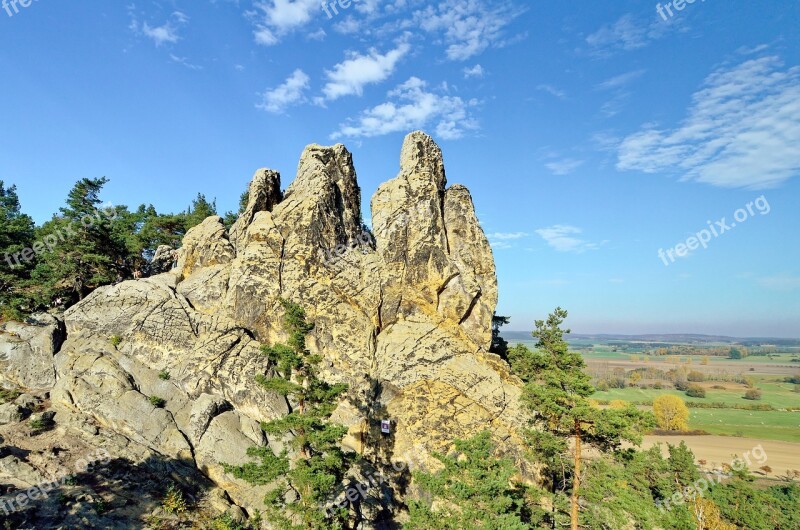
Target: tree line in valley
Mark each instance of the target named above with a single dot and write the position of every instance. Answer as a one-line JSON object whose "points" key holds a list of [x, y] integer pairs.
{"points": [[84, 245]]}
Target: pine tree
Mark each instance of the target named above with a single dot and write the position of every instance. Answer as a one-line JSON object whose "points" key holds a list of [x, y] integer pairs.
{"points": [[16, 234], [474, 490], [199, 211], [317, 463], [499, 344], [87, 255], [556, 393]]}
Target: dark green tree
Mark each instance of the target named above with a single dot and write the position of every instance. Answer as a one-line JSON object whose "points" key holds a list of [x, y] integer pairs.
{"points": [[475, 490], [16, 234], [317, 463], [499, 344], [86, 254], [200, 209], [556, 393]]}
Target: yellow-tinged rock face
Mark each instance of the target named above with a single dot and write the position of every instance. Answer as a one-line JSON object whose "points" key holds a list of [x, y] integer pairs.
{"points": [[402, 314]]}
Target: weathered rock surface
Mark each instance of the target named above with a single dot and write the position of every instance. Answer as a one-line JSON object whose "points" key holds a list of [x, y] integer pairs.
{"points": [[403, 316], [27, 350], [162, 260]]}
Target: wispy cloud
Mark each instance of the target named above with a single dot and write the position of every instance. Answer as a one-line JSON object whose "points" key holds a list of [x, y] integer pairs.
{"points": [[742, 130], [563, 239], [620, 80], [165, 33], [507, 235], [468, 27], [291, 92], [553, 91], [350, 76], [475, 71], [413, 106], [504, 240], [781, 282], [564, 167], [185, 62], [626, 34]]}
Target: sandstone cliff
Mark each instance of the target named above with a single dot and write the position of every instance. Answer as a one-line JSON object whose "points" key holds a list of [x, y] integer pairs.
{"points": [[402, 313]]}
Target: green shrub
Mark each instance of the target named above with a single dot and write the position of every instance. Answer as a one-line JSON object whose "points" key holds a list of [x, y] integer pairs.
{"points": [[173, 501], [602, 386], [116, 340], [37, 424], [8, 395], [753, 394], [696, 391], [696, 376], [226, 522], [164, 374], [157, 402]]}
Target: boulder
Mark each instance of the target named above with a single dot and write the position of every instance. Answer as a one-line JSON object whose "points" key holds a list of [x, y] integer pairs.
{"points": [[27, 350]]}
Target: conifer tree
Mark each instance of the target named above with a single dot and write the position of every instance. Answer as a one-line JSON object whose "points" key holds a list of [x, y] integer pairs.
{"points": [[86, 255], [16, 234], [308, 475], [475, 490], [556, 393]]}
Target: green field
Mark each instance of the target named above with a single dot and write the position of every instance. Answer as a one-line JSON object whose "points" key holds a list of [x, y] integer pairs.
{"points": [[779, 395], [772, 425]]}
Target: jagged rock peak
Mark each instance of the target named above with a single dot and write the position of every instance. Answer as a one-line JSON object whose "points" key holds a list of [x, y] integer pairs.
{"points": [[264, 192], [420, 154], [326, 181], [262, 196]]}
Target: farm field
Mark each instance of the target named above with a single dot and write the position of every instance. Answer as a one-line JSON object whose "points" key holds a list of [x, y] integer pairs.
{"points": [[771, 425], [779, 395], [730, 426], [717, 450]]}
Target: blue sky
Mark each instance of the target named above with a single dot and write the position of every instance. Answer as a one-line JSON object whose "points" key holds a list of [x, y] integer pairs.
{"points": [[591, 134]]}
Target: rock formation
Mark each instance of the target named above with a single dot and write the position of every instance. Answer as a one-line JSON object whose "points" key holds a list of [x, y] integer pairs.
{"points": [[403, 316]]}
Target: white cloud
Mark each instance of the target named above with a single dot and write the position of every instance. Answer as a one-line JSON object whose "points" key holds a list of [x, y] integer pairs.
{"points": [[620, 80], [317, 35], [781, 282], [564, 167], [626, 34], [413, 107], [278, 99], [553, 91], [562, 238], [475, 71], [742, 130], [166, 33], [468, 26], [349, 77], [279, 17], [349, 26], [185, 62], [507, 235]]}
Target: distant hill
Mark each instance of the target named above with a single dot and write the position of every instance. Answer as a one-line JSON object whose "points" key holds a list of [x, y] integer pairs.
{"points": [[676, 338]]}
